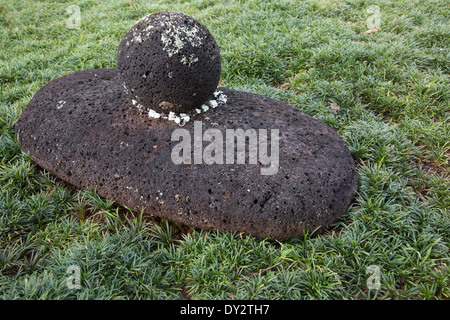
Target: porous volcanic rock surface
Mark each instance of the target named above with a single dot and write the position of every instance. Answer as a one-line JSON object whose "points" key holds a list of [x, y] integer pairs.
{"points": [[169, 61], [83, 128]]}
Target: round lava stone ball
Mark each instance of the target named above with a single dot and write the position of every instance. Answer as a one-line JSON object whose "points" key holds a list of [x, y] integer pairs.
{"points": [[168, 61]]}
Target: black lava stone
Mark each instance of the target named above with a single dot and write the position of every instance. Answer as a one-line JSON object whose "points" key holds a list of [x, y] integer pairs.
{"points": [[169, 61], [83, 128]]}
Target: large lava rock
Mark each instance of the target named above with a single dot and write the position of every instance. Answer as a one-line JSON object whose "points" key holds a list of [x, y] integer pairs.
{"points": [[83, 128]]}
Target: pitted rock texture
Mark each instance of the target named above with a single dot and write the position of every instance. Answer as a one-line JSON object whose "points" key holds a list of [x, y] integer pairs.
{"points": [[169, 61], [82, 128]]}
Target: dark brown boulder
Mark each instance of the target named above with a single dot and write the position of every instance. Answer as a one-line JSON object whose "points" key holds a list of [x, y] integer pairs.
{"points": [[83, 128]]}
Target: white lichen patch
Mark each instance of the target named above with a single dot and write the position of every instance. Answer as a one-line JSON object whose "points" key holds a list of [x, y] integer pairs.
{"points": [[125, 87], [189, 60], [60, 104], [137, 38], [150, 29], [183, 118], [175, 36]]}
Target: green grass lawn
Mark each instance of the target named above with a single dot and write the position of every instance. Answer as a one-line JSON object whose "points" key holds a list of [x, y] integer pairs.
{"points": [[391, 87]]}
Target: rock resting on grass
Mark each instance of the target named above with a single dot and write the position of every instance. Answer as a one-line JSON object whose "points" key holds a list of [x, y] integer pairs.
{"points": [[104, 129]]}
